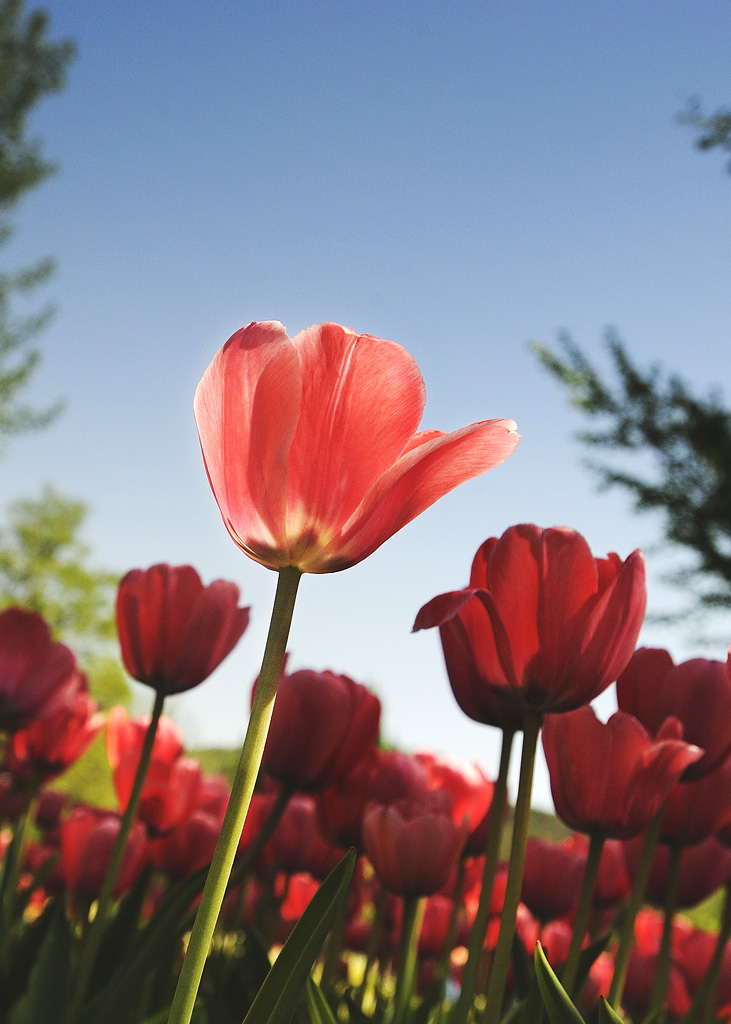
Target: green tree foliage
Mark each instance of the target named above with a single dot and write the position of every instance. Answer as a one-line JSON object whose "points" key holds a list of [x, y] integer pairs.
{"points": [[688, 440], [30, 67], [44, 567], [712, 130]]}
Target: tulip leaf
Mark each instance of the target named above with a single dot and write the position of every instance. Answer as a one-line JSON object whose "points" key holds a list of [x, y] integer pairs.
{"points": [[317, 1005], [588, 956], [47, 996], [120, 933], [521, 967], [277, 998], [112, 1005], [558, 1006], [607, 1015]]}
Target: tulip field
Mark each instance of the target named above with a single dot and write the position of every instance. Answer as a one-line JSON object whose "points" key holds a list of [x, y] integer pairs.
{"points": [[334, 880]]}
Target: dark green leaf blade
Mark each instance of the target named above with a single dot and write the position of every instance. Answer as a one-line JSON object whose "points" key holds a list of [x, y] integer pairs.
{"points": [[558, 1006], [277, 998]]}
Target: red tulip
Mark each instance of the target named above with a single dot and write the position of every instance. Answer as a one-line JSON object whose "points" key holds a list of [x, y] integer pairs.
{"points": [[52, 743], [703, 868], [189, 846], [468, 786], [613, 884], [125, 733], [412, 845], [551, 626], [87, 840], [321, 726], [297, 844], [383, 777], [610, 779], [35, 670], [173, 631], [311, 448], [697, 809], [552, 878], [171, 786], [698, 692]]}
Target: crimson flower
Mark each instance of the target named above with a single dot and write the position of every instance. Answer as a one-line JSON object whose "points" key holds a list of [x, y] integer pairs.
{"points": [[34, 669], [173, 631], [611, 778], [698, 692], [311, 448], [412, 845], [125, 734], [297, 843], [172, 783], [321, 726], [468, 786], [552, 878], [549, 625], [48, 746], [383, 777], [87, 841], [703, 868], [189, 846]]}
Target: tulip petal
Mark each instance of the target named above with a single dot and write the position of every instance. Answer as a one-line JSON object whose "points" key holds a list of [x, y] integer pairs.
{"points": [[424, 474], [246, 409], [362, 401]]}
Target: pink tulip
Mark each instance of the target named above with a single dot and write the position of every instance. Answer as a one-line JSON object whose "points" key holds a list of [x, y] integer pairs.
{"points": [[311, 447]]}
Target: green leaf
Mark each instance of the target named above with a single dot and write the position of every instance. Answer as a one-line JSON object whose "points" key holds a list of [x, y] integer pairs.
{"points": [[317, 1005], [558, 1006], [521, 968], [112, 1005], [47, 996], [587, 958], [607, 1015], [277, 998]]}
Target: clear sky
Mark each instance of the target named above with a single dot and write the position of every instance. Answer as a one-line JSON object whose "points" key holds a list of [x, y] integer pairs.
{"points": [[459, 178]]}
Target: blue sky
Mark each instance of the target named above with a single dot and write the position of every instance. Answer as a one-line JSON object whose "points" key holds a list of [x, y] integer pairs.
{"points": [[459, 178]]}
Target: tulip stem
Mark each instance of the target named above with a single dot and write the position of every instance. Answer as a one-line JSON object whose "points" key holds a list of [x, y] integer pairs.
{"points": [[96, 929], [373, 940], [621, 961], [445, 961], [492, 855], [238, 805], [588, 885], [496, 987], [410, 927], [662, 975], [703, 1007]]}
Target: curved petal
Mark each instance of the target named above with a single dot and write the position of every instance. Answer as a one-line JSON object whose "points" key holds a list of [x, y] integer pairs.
{"points": [[246, 409], [362, 401], [419, 478], [441, 609]]}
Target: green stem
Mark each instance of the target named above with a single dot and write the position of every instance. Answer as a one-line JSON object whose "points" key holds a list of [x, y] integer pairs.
{"points": [[492, 855], [591, 870], [662, 975], [15, 858], [238, 805], [443, 967], [373, 939], [626, 938], [96, 929], [503, 950], [704, 1002], [253, 853], [410, 927], [334, 947]]}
